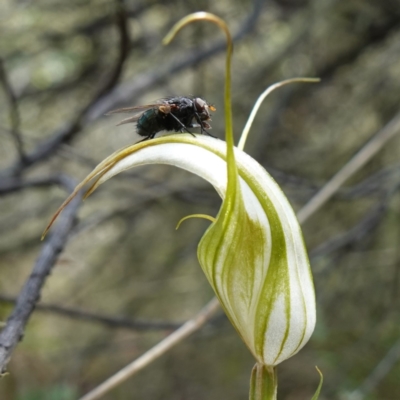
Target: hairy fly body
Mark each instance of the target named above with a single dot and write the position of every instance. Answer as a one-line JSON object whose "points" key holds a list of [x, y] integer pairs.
{"points": [[177, 114]]}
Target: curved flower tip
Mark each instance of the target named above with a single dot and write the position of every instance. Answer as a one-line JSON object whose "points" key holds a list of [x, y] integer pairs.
{"points": [[253, 254]]}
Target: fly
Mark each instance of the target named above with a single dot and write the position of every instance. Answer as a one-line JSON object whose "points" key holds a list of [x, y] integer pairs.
{"points": [[177, 114]]}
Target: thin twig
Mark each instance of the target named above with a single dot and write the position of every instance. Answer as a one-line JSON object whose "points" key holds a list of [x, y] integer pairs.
{"points": [[15, 183], [70, 130], [371, 148], [15, 120], [30, 293], [112, 322], [363, 228], [378, 373], [159, 349], [374, 184]]}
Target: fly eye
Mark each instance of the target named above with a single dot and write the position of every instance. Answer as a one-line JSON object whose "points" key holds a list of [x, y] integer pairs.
{"points": [[199, 104]]}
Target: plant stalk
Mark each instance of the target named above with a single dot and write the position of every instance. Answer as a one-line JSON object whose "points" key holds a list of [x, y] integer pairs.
{"points": [[263, 383]]}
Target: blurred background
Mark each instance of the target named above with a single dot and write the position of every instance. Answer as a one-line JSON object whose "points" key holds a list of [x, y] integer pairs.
{"points": [[125, 277]]}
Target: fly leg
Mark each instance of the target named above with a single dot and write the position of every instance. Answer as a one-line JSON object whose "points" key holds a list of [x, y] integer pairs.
{"points": [[183, 127], [151, 136], [146, 138]]}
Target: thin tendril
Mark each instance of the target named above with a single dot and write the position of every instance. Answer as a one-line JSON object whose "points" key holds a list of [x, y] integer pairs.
{"points": [[204, 216], [204, 16], [259, 101]]}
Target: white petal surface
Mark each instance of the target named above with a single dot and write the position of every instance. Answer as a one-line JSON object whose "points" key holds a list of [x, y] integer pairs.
{"points": [[260, 272]]}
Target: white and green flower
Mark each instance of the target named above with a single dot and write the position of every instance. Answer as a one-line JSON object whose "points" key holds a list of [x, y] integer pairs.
{"points": [[253, 253]]}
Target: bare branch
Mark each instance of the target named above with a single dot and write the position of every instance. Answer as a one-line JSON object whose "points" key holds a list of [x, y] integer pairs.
{"points": [[371, 148], [155, 352], [14, 112], [15, 183], [30, 293], [66, 133], [360, 230], [374, 184], [378, 373], [111, 322]]}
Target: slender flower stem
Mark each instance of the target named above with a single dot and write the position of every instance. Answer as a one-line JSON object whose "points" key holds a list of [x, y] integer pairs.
{"points": [[259, 101], [205, 16], [263, 383]]}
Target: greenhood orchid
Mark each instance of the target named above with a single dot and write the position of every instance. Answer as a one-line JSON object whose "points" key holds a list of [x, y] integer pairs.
{"points": [[253, 252]]}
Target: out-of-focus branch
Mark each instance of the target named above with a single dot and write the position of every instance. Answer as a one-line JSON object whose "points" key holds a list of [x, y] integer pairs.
{"points": [[112, 322], [94, 27], [375, 184], [66, 133], [91, 29], [359, 231], [14, 112], [155, 352], [376, 34], [14, 184], [13, 331], [121, 20], [371, 148], [377, 374]]}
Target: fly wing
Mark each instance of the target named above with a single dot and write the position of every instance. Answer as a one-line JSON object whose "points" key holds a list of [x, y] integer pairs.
{"points": [[130, 119], [137, 109], [161, 104]]}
